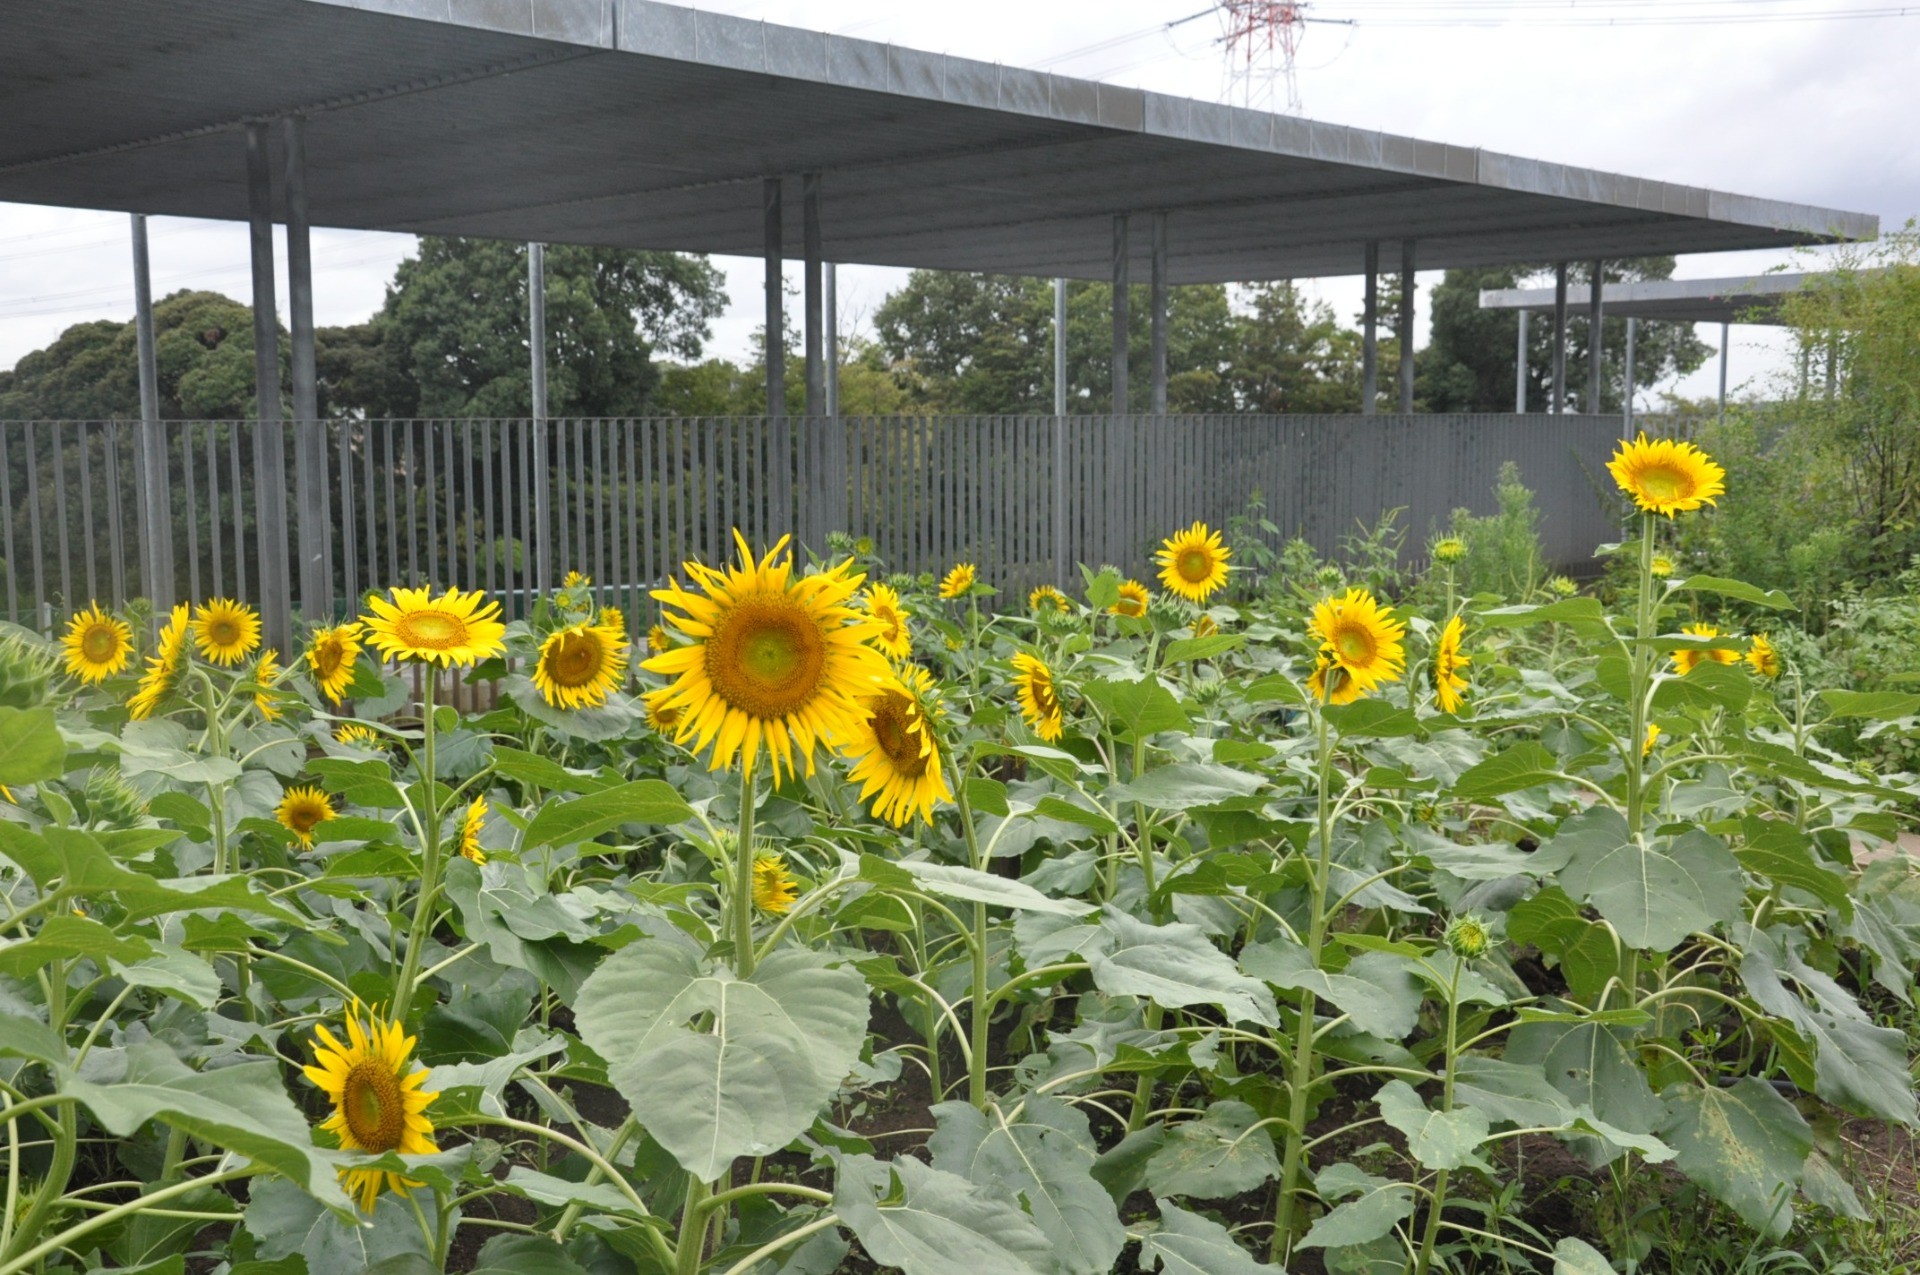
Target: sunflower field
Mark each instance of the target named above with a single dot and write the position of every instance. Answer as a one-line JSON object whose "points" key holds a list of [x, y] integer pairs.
{"points": [[1214, 923]]}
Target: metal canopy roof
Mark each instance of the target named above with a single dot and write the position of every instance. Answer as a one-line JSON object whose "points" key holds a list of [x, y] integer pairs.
{"points": [[638, 124], [1754, 299]]}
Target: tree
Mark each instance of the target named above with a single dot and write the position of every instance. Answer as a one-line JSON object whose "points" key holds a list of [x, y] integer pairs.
{"points": [[452, 339], [1292, 357], [1468, 364]]}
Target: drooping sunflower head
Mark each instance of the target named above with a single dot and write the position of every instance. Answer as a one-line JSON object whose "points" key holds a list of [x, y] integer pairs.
{"points": [[1448, 685], [1039, 697], [612, 617], [470, 825], [1133, 600], [893, 637], [98, 645], [164, 667], [575, 580], [775, 661], [1762, 658], [266, 675], [1662, 566], [225, 631], [1665, 476], [378, 1103], [661, 715], [331, 656], [359, 735], [958, 582], [1652, 738], [1193, 563], [301, 810], [454, 629], [897, 752], [1449, 550], [657, 640], [1048, 600], [581, 665], [1684, 662], [1361, 641], [774, 888]]}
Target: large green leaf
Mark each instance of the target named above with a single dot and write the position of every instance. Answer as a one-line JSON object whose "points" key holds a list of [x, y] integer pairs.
{"points": [[1586, 950], [1045, 1156], [1377, 990], [290, 1225], [1378, 1205], [1577, 1257], [525, 1255], [1185, 785], [1525, 765], [716, 1066], [1655, 894], [1592, 1068], [1219, 1155], [1510, 1092], [952, 881], [83, 869], [1437, 1139], [66, 938], [1136, 709], [1709, 686], [929, 1222], [1188, 1244], [644, 801], [1175, 966], [1880, 706], [31, 748], [1739, 589], [1744, 1143]]}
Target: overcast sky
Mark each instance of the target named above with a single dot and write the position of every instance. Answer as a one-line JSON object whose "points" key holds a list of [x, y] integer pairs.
{"points": [[1815, 111]]}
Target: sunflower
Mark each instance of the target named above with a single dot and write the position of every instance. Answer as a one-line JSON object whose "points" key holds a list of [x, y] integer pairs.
{"points": [[98, 645], [1684, 662], [662, 716], [1762, 658], [1205, 627], [612, 617], [1448, 685], [265, 674], [657, 639], [1361, 641], [1653, 737], [331, 655], [1662, 565], [359, 735], [455, 628], [1039, 697], [470, 831], [574, 580], [898, 752], [1193, 563], [226, 631], [302, 810], [581, 665], [1665, 476], [894, 638], [958, 581], [163, 667], [1449, 549], [1561, 587], [1133, 600], [774, 889], [1048, 598], [378, 1105], [775, 662]]}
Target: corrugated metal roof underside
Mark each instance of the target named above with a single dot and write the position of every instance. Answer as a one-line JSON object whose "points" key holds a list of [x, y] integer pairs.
{"points": [[636, 124]]}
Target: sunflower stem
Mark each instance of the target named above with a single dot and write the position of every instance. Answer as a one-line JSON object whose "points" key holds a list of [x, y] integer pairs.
{"points": [[743, 875], [1438, 1202], [980, 1009], [691, 1238], [430, 856]]}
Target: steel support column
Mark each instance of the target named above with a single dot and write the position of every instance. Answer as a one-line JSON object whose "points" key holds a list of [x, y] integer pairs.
{"points": [[1596, 338], [1726, 330], [1370, 334], [269, 446], [814, 299], [1520, 369], [1406, 326], [156, 501], [830, 304], [542, 456], [1121, 325], [309, 446], [1626, 409], [1559, 403], [776, 314], [1059, 347], [1159, 314]]}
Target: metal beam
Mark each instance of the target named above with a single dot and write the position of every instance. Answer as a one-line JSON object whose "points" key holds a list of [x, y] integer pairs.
{"points": [[1596, 337], [1559, 402], [269, 445], [542, 458], [1370, 333], [1520, 369], [309, 447], [776, 315], [1121, 325], [156, 502], [1406, 326], [1059, 347], [814, 299], [1159, 314]]}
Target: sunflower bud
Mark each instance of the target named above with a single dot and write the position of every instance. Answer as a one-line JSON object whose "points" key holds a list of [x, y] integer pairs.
{"points": [[1449, 549], [26, 672], [1662, 566], [1561, 587], [1468, 938]]}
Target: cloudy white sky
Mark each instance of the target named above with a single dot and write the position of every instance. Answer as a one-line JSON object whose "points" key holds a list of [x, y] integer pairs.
{"points": [[1789, 99]]}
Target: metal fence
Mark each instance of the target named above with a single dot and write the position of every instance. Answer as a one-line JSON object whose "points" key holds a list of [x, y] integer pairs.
{"points": [[502, 505]]}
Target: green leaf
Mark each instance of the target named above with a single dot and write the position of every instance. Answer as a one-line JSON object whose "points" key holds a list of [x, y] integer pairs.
{"points": [[1739, 589], [1376, 991], [542, 772], [1592, 1068], [1275, 688], [1137, 709], [1189, 1244], [1585, 611], [1655, 895], [1745, 1144], [288, 1224], [1181, 650], [644, 801], [31, 748], [1175, 966], [955, 882], [65, 938], [1785, 856], [1710, 685], [1053, 807], [1525, 765], [929, 1222], [1185, 785], [1879, 706], [525, 1255], [1219, 1155], [1437, 1139], [1045, 1156], [1380, 1205], [22, 1037], [1372, 719], [1483, 861], [716, 1066], [1586, 950], [363, 783], [1510, 1092], [987, 796], [1577, 1257]]}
